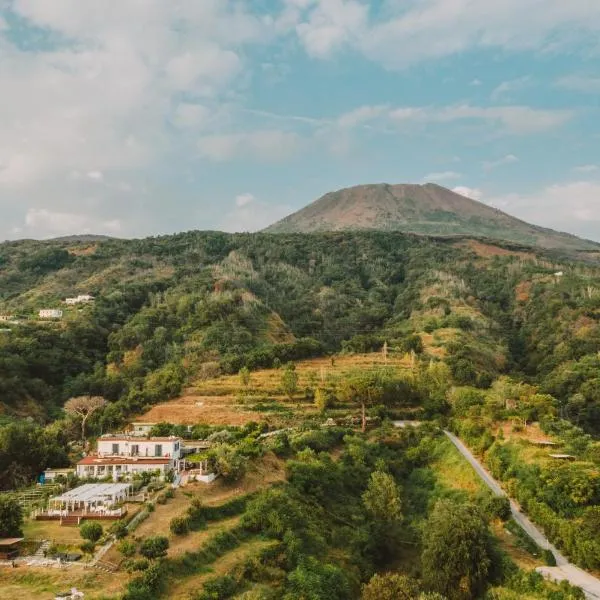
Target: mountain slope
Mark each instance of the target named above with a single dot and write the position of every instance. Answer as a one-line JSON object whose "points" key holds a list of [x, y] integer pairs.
{"points": [[425, 209]]}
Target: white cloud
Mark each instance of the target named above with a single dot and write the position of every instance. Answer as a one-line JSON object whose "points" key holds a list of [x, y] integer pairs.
{"points": [[244, 200], [44, 223], [361, 115], [98, 99], [330, 25], [268, 144], [580, 83], [96, 175], [194, 116], [506, 88], [251, 214], [512, 119], [476, 82], [443, 176], [586, 169], [505, 160], [571, 206], [402, 34], [473, 193]]}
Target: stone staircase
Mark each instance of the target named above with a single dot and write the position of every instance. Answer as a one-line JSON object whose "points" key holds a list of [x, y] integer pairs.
{"points": [[43, 548]]}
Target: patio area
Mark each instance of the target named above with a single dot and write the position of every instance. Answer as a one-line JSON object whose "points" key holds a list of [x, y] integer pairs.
{"points": [[97, 501]]}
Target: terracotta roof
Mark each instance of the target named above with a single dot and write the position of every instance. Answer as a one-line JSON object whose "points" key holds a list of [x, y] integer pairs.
{"points": [[123, 460], [137, 439]]}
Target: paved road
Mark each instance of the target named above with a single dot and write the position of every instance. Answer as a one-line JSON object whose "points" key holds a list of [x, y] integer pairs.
{"points": [[564, 569]]}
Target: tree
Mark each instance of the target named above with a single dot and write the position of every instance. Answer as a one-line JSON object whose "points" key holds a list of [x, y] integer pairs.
{"points": [[365, 388], [83, 407], [390, 586], [154, 547], [11, 518], [322, 399], [384, 508], [245, 376], [289, 380], [382, 498], [91, 530], [457, 550]]}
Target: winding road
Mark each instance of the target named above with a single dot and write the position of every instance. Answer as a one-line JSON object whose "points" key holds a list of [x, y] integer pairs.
{"points": [[564, 570]]}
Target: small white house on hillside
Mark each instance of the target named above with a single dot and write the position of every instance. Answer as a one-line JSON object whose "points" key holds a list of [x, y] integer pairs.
{"points": [[50, 313], [81, 299]]}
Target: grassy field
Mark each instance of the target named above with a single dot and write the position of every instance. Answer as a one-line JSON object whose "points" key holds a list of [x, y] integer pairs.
{"points": [[184, 588], [44, 584], [224, 401]]}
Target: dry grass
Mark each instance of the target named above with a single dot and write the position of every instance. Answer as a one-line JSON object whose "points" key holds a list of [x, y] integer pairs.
{"points": [[215, 401], [44, 584], [55, 532], [489, 251]]}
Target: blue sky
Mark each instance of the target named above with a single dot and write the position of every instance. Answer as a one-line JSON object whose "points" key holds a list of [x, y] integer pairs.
{"points": [[139, 117]]}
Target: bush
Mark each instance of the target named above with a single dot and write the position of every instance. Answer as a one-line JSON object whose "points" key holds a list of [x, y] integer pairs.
{"points": [[497, 507], [549, 558], [154, 547], [180, 525], [92, 531], [127, 548], [219, 588], [88, 547], [119, 530]]}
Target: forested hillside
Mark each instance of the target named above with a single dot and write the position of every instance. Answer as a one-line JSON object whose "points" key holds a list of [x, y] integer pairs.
{"points": [[172, 307]]}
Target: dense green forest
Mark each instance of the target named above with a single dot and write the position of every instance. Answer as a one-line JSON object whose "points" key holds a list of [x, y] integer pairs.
{"points": [[171, 308]]}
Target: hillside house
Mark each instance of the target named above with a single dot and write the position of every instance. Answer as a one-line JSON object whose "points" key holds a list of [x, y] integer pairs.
{"points": [[50, 313], [81, 299], [140, 429], [127, 455], [7, 318]]}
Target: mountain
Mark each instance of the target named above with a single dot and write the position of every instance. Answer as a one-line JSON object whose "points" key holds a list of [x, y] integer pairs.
{"points": [[427, 209]]}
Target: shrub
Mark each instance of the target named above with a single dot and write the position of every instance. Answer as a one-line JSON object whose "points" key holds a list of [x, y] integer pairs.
{"points": [[180, 525], [549, 558], [119, 530], [154, 547], [497, 507], [88, 547], [218, 588], [92, 531], [127, 548]]}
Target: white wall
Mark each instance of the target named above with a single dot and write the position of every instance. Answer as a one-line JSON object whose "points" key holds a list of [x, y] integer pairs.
{"points": [[145, 448]]}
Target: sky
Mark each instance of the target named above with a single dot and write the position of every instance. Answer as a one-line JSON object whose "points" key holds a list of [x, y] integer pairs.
{"points": [[142, 117]]}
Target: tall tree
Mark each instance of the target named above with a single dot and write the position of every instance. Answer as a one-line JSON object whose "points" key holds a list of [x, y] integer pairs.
{"points": [[11, 518], [83, 407], [289, 380], [362, 387], [457, 550]]}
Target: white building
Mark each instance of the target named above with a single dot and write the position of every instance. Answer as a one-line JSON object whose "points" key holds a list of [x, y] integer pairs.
{"points": [[81, 299], [7, 318], [141, 429], [51, 313], [126, 455]]}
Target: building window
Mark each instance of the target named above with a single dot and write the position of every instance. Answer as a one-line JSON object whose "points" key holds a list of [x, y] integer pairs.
{"points": [[115, 448], [158, 450], [135, 450]]}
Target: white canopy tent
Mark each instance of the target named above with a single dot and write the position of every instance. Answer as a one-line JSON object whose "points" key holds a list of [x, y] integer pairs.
{"points": [[92, 496]]}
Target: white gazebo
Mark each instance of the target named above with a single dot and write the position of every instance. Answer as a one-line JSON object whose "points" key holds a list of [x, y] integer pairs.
{"points": [[91, 498]]}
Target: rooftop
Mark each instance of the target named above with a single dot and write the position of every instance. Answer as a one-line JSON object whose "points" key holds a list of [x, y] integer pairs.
{"points": [[136, 439], [123, 460], [10, 542], [94, 492]]}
